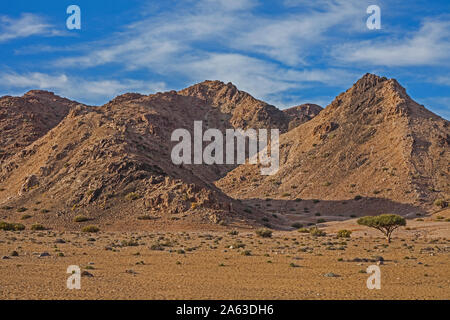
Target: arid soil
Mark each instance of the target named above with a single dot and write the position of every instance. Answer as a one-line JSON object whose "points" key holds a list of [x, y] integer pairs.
{"points": [[218, 265]]}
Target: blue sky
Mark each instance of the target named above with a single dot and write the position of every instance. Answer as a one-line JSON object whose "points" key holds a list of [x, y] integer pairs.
{"points": [[286, 52]]}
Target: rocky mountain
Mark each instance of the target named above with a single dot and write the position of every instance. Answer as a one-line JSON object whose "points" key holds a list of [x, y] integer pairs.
{"points": [[372, 142], [25, 119], [301, 114], [244, 110], [112, 164]]}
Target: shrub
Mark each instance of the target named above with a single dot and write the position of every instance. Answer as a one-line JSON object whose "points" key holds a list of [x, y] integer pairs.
{"points": [[7, 208], [358, 197], [316, 232], [80, 218], [91, 229], [441, 203], [144, 217], [157, 247], [264, 233], [26, 216], [11, 226], [22, 209], [321, 220], [129, 243], [233, 233], [344, 233], [303, 230], [37, 227], [386, 223], [194, 205], [45, 211], [296, 225], [132, 196]]}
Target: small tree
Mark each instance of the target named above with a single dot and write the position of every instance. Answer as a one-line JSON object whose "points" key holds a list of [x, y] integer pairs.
{"points": [[386, 223]]}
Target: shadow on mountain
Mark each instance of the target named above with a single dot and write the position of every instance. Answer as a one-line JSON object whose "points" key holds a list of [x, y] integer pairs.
{"points": [[280, 214]]}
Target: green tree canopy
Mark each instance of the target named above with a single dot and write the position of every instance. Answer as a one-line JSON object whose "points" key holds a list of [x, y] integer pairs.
{"points": [[386, 223]]}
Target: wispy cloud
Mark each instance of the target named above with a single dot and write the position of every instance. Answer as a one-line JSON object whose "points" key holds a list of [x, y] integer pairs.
{"points": [[94, 91], [430, 45], [26, 25], [225, 40]]}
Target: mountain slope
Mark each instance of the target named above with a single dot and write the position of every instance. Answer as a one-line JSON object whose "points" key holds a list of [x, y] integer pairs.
{"points": [[245, 111], [373, 140], [301, 114], [25, 119]]}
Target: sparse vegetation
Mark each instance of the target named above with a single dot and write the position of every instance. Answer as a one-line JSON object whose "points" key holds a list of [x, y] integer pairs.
{"points": [[37, 227], [316, 232], [90, 229], [80, 218], [132, 196], [296, 225], [344, 233], [441, 203], [264, 233], [144, 217], [11, 226]]}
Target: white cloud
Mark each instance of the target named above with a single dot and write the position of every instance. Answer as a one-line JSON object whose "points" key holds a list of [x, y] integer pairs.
{"points": [[430, 45], [95, 91], [261, 78], [288, 38], [224, 40], [26, 25]]}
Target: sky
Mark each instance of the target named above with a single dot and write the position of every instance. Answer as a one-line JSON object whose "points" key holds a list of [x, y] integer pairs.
{"points": [[285, 52]]}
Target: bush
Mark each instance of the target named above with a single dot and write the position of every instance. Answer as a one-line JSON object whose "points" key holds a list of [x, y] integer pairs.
{"points": [[23, 209], [80, 218], [11, 226], [132, 196], [321, 220], [316, 232], [91, 229], [386, 223], [26, 216], [264, 233], [303, 230], [144, 217], [344, 233], [296, 225], [129, 243], [357, 198], [37, 227], [441, 203]]}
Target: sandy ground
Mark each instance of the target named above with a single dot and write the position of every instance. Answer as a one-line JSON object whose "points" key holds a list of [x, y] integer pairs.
{"points": [[213, 265]]}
